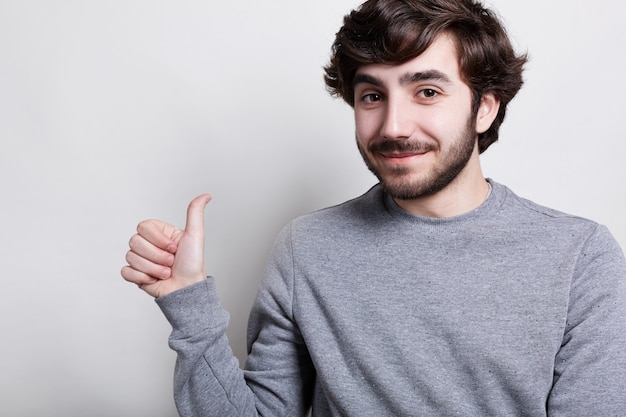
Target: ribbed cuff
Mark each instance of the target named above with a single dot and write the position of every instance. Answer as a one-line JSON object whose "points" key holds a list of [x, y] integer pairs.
{"points": [[194, 308]]}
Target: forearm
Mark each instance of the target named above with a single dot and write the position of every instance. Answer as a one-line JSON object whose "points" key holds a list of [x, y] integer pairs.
{"points": [[207, 379], [279, 376]]}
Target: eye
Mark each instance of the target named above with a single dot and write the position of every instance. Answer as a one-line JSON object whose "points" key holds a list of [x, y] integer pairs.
{"points": [[428, 93], [371, 98]]}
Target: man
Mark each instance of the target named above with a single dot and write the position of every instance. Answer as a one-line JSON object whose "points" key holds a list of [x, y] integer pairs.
{"points": [[437, 292]]}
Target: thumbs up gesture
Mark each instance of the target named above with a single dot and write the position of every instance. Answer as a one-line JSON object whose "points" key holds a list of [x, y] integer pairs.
{"points": [[163, 258]]}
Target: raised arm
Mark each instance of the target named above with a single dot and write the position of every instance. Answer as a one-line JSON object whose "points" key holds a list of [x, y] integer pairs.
{"points": [[167, 263]]}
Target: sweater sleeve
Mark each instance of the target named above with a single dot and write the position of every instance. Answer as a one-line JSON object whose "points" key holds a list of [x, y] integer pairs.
{"points": [[207, 378], [590, 367]]}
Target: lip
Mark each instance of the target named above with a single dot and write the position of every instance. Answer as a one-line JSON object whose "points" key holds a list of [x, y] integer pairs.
{"points": [[400, 157]]}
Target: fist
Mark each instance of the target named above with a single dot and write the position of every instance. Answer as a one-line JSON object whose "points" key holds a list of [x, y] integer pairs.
{"points": [[163, 258]]}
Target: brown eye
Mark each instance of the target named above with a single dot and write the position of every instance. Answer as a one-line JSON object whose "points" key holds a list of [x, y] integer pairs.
{"points": [[370, 98], [429, 93]]}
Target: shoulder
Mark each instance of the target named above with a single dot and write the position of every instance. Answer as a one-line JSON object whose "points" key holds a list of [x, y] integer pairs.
{"points": [[523, 210], [364, 208], [335, 225], [554, 227]]}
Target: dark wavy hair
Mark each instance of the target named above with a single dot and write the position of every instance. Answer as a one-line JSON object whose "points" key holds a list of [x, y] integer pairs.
{"points": [[396, 31]]}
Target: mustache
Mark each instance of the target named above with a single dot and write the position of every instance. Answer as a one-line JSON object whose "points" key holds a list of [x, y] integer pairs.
{"points": [[401, 146]]}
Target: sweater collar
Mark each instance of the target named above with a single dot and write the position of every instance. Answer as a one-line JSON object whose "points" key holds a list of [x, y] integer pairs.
{"points": [[495, 198]]}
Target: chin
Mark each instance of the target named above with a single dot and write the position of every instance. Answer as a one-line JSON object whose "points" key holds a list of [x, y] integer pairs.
{"points": [[416, 188]]}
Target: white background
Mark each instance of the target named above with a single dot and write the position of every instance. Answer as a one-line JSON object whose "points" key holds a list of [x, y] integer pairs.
{"points": [[116, 111]]}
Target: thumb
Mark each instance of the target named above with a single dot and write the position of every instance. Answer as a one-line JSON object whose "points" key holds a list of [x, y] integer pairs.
{"points": [[195, 215], [188, 266]]}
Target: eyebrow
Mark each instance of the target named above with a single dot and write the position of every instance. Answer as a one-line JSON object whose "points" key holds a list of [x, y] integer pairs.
{"points": [[410, 77]]}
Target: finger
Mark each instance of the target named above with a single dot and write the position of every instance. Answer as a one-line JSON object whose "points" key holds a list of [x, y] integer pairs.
{"points": [[147, 250], [136, 277], [158, 233], [144, 266], [195, 215]]}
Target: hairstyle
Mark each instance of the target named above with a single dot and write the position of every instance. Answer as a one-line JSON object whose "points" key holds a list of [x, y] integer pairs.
{"points": [[396, 31]]}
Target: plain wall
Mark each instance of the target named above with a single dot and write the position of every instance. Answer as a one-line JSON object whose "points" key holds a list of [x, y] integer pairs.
{"points": [[116, 111]]}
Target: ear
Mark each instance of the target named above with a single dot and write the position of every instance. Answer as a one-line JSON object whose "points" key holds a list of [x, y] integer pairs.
{"points": [[487, 112]]}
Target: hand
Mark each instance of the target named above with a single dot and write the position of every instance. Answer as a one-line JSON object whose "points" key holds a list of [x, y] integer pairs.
{"points": [[163, 258]]}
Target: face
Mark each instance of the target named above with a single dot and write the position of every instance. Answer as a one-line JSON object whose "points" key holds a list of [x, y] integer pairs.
{"points": [[414, 123]]}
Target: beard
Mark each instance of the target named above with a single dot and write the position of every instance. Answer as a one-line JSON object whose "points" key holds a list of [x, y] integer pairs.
{"points": [[397, 181]]}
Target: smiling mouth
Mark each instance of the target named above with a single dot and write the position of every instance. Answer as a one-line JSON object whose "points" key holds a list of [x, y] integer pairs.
{"points": [[401, 149], [395, 160], [401, 155]]}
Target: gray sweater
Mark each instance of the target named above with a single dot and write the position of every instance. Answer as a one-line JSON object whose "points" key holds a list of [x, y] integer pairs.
{"points": [[512, 309]]}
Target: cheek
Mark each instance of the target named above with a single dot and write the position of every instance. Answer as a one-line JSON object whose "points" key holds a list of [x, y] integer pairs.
{"points": [[366, 128], [432, 124], [444, 125]]}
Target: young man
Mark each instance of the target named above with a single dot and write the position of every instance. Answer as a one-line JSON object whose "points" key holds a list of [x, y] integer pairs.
{"points": [[437, 292]]}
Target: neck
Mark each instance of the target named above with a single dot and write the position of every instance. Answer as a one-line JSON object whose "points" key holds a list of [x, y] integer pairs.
{"points": [[465, 193]]}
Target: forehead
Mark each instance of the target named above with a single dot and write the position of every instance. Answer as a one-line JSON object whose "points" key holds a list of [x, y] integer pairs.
{"points": [[440, 58]]}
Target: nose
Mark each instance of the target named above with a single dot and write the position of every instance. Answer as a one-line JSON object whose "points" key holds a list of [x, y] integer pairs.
{"points": [[399, 122]]}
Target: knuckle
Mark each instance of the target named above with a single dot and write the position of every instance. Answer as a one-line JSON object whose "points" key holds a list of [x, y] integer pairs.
{"points": [[128, 273], [129, 257], [143, 225]]}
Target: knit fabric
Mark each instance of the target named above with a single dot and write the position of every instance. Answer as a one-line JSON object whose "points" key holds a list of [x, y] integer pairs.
{"points": [[364, 309]]}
